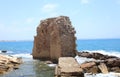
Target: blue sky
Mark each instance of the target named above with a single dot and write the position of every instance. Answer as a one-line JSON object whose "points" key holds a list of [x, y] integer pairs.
{"points": [[92, 19]]}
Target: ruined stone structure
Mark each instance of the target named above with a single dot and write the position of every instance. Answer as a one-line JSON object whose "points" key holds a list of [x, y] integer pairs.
{"points": [[55, 38]]}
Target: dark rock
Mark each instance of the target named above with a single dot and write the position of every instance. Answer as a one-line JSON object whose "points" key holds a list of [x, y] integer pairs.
{"points": [[112, 62], [98, 56], [84, 54], [115, 69], [3, 51]]}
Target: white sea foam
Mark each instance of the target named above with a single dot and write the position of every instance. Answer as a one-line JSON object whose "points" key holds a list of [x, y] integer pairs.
{"points": [[110, 53], [81, 60], [111, 74], [51, 65], [26, 55]]}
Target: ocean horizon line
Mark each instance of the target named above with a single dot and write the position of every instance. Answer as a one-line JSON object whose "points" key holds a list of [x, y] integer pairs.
{"points": [[77, 39], [15, 40]]}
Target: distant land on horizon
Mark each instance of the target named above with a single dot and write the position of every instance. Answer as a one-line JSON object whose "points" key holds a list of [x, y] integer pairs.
{"points": [[14, 40], [77, 39]]}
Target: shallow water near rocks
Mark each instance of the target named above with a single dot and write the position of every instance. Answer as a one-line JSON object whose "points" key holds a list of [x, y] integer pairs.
{"points": [[31, 68]]}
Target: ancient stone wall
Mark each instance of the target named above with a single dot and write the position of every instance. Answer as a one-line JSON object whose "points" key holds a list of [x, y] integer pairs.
{"points": [[55, 38]]}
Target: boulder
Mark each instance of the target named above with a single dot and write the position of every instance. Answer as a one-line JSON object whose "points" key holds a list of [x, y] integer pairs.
{"points": [[87, 65], [93, 70], [7, 63], [103, 68], [113, 62], [68, 67], [3, 51], [84, 54], [55, 38], [105, 63], [90, 67]]}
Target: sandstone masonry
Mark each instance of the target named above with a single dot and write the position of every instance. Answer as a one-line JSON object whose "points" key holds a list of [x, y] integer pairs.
{"points": [[55, 38]]}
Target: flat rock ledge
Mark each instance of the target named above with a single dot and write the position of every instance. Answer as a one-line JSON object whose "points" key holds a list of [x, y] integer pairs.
{"points": [[8, 63], [68, 67]]}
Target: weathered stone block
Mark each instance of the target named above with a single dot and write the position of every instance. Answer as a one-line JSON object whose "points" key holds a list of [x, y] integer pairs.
{"points": [[55, 38], [68, 67]]}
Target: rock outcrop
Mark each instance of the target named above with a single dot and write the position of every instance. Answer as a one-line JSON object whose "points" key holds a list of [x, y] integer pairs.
{"points": [[55, 38], [8, 63], [112, 63]]}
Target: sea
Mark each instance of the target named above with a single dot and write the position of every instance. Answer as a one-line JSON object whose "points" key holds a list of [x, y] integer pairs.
{"points": [[37, 68]]}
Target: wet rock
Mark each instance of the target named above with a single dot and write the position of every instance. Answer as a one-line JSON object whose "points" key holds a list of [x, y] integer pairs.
{"points": [[8, 63], [96, 55], [4, 51], [84, 54], [55, 38], [112, 63], [115, 69]]}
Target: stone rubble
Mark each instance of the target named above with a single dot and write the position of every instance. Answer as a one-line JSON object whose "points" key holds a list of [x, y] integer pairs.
{"points": [[8, 63], [111, 63]]}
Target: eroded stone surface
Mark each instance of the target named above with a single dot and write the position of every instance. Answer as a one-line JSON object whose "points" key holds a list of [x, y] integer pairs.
{"points": [[68, 67], [8, 63], [112, 62], [55, 38]]}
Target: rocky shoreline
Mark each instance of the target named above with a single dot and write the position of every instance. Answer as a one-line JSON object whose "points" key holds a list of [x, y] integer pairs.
{"points": [[56, 41], [8, 63], [112, 63], [97, 64]]}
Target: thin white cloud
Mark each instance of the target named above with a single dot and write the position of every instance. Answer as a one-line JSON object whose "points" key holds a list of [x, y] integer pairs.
{"points": [[85, 1], [49, 7]]}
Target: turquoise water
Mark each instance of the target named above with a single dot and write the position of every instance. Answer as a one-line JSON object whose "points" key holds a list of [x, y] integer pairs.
{"points": [[17, 47], [35, 68], [98, 44]]}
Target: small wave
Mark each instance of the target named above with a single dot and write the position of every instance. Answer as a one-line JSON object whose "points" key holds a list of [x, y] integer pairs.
{"points": [[111, 74], [52, 65], [26, 55], [81, 60], [110, 53]]}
